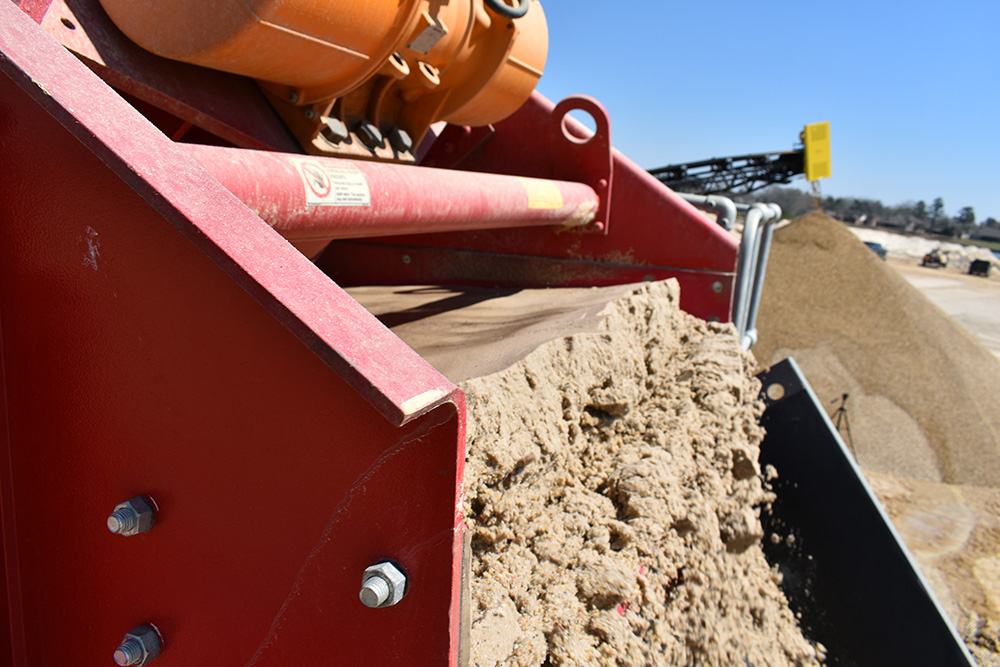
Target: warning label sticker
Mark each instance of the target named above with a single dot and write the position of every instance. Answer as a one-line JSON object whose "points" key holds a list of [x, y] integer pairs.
{"points": [[542, 194], [328, 183]]}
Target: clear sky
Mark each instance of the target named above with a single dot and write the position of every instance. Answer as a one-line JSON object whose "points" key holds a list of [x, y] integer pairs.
{"points": [[911, 89]]}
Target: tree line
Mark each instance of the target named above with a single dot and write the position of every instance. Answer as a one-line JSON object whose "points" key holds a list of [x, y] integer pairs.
{"points": [[911, 216]]}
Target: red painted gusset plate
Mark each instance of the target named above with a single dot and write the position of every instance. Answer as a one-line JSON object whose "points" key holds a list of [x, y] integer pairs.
{"points": [[159, 339]]}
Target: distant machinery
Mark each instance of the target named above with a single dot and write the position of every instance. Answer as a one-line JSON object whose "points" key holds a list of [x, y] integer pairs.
{"points": [[742, 174]]}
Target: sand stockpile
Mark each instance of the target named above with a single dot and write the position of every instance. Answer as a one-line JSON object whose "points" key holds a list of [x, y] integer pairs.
{"points": [[922, 407], [923, 393], [613, 494]]}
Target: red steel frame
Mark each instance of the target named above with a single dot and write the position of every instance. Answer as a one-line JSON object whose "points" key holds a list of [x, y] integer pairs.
{"points": [[642, 230], [158, 338]]}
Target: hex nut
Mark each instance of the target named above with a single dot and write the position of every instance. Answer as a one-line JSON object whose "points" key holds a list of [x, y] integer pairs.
{"points": [[132, 517], [392, 576], [139, 646]]}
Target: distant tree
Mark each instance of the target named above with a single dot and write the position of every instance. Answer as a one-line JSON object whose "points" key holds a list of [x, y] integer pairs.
{"points": [[966, 217], [992, 222], [793, 202], [920, 210], [937, 209]]}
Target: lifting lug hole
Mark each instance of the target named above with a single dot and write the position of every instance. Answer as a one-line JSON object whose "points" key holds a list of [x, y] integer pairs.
{"points": [[585, 119]]}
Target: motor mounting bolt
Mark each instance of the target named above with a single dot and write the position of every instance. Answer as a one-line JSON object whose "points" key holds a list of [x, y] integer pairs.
{"points": [[132, 517], [139, 646], [717, 287], [334, 130], [382, 585], [293, 97], [400, 140], [369, 134]]}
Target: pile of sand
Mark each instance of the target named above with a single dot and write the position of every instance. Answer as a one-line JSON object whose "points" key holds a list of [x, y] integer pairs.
{"points": [[922, 408], [613, 493], [923, 393]]}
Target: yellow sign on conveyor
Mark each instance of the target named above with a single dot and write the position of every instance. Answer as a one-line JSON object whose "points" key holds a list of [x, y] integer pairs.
{"points": [[816, 138]]}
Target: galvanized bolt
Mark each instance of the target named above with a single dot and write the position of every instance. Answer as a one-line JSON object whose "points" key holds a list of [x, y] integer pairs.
{"points": [[369, 134], [293, 97], [400, 140], [717, 287], [309, 114], [139, 646], [382, 585], [132, 517], [334, 130]]}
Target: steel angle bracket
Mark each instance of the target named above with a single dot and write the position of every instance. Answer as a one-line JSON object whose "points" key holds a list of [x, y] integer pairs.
{"points": [[847, 574], [158, 339]]}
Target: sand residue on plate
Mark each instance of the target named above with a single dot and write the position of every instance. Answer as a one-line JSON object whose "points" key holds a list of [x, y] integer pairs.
{"points": [[613, 494]]}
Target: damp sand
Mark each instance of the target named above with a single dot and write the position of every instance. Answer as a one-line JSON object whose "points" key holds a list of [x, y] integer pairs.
{"points": [[613, 495]]}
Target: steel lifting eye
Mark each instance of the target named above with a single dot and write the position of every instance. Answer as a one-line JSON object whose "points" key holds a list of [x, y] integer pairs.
{"points": [[507, 11]]}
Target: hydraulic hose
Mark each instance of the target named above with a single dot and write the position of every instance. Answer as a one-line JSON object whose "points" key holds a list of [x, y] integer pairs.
{"points": [[502, 9]]}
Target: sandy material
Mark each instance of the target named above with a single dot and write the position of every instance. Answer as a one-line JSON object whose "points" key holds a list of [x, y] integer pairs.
{"points": [[613, 493], [922, 407], [923, 392], [953, 533]]}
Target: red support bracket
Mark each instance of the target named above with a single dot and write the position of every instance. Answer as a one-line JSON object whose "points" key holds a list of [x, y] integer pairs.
{"points": [[582, 155], [455, 144], [160, 340]]}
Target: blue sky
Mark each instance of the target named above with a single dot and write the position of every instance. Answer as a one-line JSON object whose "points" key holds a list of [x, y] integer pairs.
{"points": [[912, 90]]}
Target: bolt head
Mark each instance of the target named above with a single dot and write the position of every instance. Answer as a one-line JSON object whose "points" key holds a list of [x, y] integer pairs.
{"points": [[144, 636], [143, 511], [369, 134], [717, 287], [334, 130], [400, 140], [392, 576]]}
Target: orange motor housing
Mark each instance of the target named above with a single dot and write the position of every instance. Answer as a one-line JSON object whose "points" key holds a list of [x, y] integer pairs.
{"points": [[397, 64]]}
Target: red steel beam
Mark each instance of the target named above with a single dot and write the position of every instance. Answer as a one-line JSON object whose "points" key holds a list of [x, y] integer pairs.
{"points": [[312, 198], [158, 339]]}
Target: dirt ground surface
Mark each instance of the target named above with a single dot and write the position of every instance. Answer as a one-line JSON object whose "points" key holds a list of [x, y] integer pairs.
{"points": [[973, 301], [923, 397]]}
